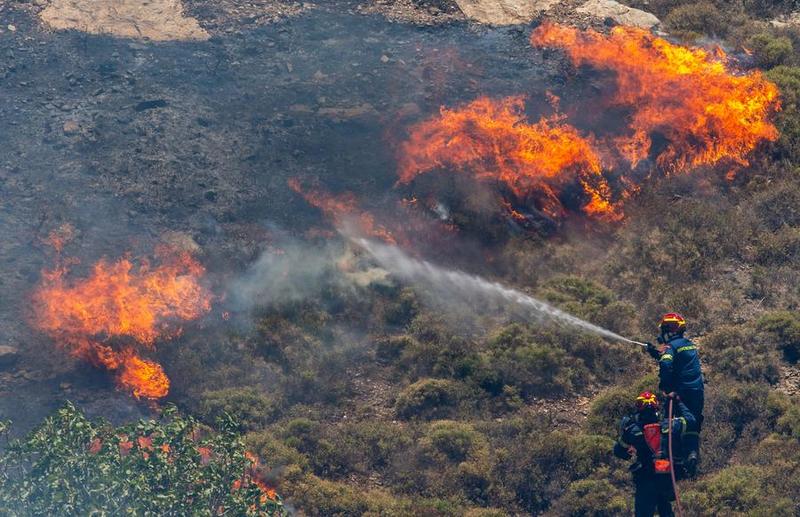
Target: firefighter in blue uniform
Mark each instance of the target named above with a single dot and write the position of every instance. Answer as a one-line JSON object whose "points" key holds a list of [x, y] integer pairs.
{"points": [[680, 372], [645, 434]]}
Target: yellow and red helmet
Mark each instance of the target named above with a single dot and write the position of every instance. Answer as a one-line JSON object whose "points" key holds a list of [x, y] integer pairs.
{"points": [[646, 400], [672, 323]]}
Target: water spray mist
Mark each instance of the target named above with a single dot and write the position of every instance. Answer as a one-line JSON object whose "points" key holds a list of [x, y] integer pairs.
{"points": [[465, 285]]}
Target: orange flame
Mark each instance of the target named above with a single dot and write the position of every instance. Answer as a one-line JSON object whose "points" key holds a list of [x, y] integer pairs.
{"points": [[706, 112], [492, 140], [343, 209], [120, 300]]}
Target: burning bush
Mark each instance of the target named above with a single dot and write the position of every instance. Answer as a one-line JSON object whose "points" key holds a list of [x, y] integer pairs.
{"points": [[706, 112], [492, 140], [119, 310]]}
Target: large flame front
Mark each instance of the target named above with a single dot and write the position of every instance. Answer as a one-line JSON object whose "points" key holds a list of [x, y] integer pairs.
{"points": [[119, 309], [492, 140], [688, 95]]}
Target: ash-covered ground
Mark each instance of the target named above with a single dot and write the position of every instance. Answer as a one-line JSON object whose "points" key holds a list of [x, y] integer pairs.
{"points": [[130, 142]]}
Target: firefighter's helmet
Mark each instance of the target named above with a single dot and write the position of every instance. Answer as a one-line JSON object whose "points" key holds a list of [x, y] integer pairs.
{"points": [[672, 323], [646, 400]]}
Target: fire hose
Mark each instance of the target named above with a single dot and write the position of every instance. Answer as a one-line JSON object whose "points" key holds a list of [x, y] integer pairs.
{"points": [[672, 463]]}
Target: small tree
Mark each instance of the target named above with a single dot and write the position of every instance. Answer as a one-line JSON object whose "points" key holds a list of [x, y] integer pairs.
{"points": [[70, 465]]}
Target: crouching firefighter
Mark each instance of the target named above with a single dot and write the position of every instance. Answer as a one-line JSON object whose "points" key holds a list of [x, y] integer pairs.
{"points": [[679, 371], [646, 435]]}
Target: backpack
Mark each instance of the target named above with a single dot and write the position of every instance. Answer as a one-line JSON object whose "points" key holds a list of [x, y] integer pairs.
{"points": [[652, 436]]}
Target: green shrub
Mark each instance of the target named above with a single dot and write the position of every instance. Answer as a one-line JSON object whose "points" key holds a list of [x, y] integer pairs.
{"points": [[250, 406], [320, 497], [587, 452], [735, 490], [453, 440], [778, 206], [402, 309], [70, 465], [608, 408], [693, 20], [788, 121], [428, 398], [534, 364], [783, 326], [595, 497], [779, 248], [770, 50], [736, 419], [436, 350], [738, 353], [388, 349]]}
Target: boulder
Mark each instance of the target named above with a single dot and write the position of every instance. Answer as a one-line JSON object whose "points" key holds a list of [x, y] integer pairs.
{"points": [[8, 356], [157, 20], [504, 12], [621, 14]]}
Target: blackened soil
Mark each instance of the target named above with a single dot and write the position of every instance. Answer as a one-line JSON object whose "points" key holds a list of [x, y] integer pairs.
{"points": [[126, 140]]}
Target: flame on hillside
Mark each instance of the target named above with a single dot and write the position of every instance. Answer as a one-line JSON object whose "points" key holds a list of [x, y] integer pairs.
{"points": [[492, 140], [121, 309], [343, 209], [706, 112]]}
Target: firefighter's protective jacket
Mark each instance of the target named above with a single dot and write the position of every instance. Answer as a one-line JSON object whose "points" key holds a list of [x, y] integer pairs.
{"points": [[679, 367], [632, 434]]}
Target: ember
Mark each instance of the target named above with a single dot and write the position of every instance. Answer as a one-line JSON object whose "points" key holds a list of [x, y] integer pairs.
{"points": [[121, 301]]}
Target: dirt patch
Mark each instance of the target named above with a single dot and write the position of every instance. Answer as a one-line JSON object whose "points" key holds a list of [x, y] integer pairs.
{"points": [[224, 16], [157, 20], [419, 12], [790, 380]]}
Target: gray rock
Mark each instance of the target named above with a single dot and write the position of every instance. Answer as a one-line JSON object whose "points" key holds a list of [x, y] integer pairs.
{"points": [[621, 14], [504, 12], [8, 356]]}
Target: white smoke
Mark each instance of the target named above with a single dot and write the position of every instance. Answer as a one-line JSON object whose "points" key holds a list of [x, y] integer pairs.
{"points": [[447, 286]]}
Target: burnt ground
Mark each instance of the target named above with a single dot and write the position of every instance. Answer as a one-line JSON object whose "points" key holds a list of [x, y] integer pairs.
{"points": [[126, 140]]}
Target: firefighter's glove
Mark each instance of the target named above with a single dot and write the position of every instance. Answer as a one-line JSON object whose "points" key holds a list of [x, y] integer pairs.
{"points": [[674, 396], [654, 352]]}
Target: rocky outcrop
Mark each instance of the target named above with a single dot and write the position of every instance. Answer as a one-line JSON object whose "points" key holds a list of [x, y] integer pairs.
{"points": [[789, 20], [504, 12], [8, 356], [619, 13], [158, 20]]}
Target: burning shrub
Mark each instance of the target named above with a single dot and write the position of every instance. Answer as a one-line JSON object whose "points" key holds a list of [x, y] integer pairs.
{"points": [[705, 112], [491, 140], [122, 302], [70, 465]]}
